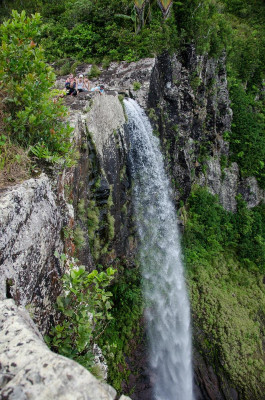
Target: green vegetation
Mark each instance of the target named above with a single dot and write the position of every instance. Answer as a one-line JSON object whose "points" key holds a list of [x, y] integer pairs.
{"points": [[79, 238], [84, 306], [247, 139], [129, 30], [136, 86], [120, 337], [225, 258], [75, 31], [31, 119]]}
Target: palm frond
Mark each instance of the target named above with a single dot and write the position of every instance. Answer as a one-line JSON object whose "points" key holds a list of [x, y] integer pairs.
{"points": [[165, 6], [139, 4]]}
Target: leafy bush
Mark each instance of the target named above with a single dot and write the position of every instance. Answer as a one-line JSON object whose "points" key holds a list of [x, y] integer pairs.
{"points": [[31, 117], [85, 312]]}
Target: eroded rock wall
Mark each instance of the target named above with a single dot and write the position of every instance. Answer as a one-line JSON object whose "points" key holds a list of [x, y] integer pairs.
{"points": [[190, 108]]}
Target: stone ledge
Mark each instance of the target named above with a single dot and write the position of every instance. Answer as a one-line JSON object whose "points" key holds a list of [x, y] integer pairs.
{"points": [[29, 370]]}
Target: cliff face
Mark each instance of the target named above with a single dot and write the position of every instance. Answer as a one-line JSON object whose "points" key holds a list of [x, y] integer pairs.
{"points": [[190, 108], [49, 214], [31, 222], [186, 98]]}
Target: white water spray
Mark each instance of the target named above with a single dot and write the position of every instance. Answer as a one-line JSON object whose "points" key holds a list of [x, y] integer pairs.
{"points": [[167, 306]]}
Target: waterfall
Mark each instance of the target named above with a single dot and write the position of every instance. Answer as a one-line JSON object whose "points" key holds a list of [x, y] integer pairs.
{"points": [[167, 310]]}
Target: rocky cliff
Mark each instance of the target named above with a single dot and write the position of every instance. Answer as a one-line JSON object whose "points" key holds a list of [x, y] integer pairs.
{"points": [[189, 105], [44, 216]]}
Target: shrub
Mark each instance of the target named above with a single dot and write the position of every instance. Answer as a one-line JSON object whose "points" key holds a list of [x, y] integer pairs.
{"points": [[31, 117], [85, 311]]}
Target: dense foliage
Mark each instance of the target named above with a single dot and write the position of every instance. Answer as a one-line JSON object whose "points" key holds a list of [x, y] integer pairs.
{"points": [[82, 30], [84, 307], [31, 118], [129, 30], [225, 257], [212, 229], [247, 139], [123, 332]]}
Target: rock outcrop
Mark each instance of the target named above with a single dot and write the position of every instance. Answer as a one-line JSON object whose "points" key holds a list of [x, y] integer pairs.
{"points": [[31, 223], [29, 370], [190, 108]]}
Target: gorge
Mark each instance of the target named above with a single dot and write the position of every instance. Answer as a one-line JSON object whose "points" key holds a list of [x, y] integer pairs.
{"points": [[158, 163]]}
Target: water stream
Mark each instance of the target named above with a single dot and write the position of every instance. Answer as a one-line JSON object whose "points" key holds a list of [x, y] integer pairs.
{"points": [[167, 307]]}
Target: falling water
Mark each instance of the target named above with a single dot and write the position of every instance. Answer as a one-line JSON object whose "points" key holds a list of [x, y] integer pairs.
{"points": [[167, 306]]}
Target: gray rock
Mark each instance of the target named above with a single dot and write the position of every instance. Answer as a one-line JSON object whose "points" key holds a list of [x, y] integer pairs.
{"points": [[31, 223], [224, 185], [29, 370], [104, 120], [189, 99]]}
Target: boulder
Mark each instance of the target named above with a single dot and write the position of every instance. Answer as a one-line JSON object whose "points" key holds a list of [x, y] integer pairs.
{"points": [[29, 370]]}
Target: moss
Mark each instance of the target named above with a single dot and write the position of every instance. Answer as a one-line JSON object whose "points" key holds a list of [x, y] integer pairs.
{"points": [[92, 219], [136, 85], [79, 238], [111, 227], [122, 173], [195, 83], [81, 210], [152, 114], [67, 232], [226, 303], [121, 98], [30, 309], [124, 209], [120, 337], [97, 184], [110, 198], [225, 272]]}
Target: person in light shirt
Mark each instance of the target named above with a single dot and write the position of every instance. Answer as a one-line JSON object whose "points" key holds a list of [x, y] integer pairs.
{"points": [[81, 85], [99, 89]]}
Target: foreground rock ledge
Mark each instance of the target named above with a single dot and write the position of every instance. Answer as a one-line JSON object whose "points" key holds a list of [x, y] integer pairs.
{"points": [[29, 370]]}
